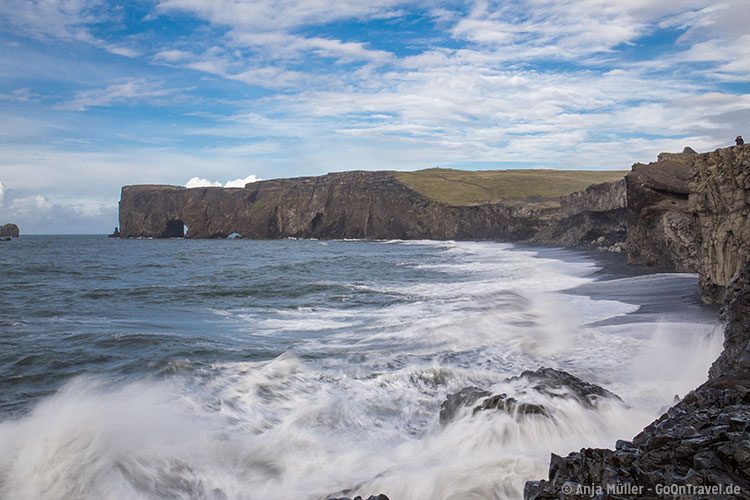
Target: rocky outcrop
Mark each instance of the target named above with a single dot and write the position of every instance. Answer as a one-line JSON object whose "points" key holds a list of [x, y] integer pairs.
{"points": [[700, 447], [720, 196], [9, 231], [371, 497], [545, 381], [595, 216], [361, 205], [662, 228]]}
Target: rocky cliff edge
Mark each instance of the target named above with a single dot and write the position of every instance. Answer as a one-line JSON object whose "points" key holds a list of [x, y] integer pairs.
{"points": [[701, 445], [363, 205]]}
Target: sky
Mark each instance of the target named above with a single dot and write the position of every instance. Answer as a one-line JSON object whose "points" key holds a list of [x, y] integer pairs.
{"points": [[96, 94]]}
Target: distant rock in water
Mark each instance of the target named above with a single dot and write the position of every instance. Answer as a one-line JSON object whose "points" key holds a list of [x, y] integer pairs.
{"points": [[702, 441], [9, 231], [115, 233], [545, 381]]}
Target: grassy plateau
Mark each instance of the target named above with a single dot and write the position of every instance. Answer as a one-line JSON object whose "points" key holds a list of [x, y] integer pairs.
{"points": [[464, 187]]}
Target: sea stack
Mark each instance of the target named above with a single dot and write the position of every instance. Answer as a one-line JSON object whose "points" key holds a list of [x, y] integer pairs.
{"points": [[9, 231]]}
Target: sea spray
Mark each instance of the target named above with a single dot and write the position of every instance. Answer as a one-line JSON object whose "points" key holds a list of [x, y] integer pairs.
{"points": [[324, 370]]}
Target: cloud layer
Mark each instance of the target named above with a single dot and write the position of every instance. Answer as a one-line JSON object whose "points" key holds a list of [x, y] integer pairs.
{"points": [[95, 95], [196, 182]]}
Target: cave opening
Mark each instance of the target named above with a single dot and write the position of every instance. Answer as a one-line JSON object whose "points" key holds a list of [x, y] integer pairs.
{"points": [[175, 229]]}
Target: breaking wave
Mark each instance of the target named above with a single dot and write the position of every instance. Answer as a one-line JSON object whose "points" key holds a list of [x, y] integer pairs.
{"points": [[351, 404]]}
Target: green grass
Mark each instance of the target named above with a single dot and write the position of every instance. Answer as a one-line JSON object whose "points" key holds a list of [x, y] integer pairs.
{"points": [[463, 187]]}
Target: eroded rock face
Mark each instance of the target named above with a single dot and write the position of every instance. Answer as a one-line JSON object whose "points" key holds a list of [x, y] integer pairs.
{"points": [[702, 440], [597, 214], [720, 195], [9, 231], [359, 205], [662, 228]]}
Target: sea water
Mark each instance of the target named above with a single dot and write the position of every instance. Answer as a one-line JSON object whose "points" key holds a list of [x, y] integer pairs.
{"points": [[299, 369]]}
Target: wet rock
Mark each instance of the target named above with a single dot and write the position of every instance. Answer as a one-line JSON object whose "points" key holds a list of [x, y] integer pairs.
{"points": [[9, 231], [371, 497], [509, 405], [557, 383], [547, 381], [463, 398]]}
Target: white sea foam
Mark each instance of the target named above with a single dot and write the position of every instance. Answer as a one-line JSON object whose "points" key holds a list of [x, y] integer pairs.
{"points": [[356, 404]]}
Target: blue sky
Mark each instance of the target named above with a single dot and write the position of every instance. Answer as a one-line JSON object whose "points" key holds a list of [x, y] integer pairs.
{"points": [[97, 94]]}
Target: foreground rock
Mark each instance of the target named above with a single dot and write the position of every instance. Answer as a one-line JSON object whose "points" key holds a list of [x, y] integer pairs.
{"points": [[701, 442], [547, 381], [371, 497], [720, 196], [364, 205], [9, 231]]}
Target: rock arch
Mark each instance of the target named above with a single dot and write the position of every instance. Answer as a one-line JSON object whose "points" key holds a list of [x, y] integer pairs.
{"points": [[175, 229]]}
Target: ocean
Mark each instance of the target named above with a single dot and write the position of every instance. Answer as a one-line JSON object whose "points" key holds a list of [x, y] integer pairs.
{"points": [[303, 369]]}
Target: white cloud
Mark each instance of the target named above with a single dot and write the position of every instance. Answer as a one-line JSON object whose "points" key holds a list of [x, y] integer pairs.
{"points": [[127, 91], [2, 194], [271, 15], [238, 183], [68, 20], [196, 182], [18, 95]]}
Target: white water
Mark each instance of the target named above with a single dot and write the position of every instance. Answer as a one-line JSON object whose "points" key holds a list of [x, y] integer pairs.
{"points": [[365, 416]]}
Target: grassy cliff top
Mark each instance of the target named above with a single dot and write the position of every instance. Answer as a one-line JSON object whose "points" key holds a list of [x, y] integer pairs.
{"points": [[463, 187]]}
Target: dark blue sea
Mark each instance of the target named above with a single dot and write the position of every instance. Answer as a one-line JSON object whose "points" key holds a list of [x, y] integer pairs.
{"points": [[300, 369]]}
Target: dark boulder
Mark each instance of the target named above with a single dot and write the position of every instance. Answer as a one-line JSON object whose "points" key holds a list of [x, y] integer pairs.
{"points": [[546, 381], [557, 383], [371, 497], [9, 231]]}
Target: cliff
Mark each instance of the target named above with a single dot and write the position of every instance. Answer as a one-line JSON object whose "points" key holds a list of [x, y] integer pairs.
{"points": [[720, 196], [704, 440], [9, 231], [361, 205], [661, 225], [594, 216]]}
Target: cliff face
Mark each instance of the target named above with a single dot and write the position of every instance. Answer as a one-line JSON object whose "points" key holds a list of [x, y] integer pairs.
{"points": [[704, 440], [358, 205], [661, 225], [340, 205], [720, 196], [9, 231], [586, 216]]}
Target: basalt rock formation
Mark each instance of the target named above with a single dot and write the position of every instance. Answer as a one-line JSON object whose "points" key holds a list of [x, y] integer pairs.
{"points": [[9, 231], [362, 205], [700, 445], [546, 381], [662, 228], [594, 216], [720, 196]]}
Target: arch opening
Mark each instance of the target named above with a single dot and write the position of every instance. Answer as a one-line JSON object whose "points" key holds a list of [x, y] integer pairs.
{"points": [[234, 235], [175, 229]]}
